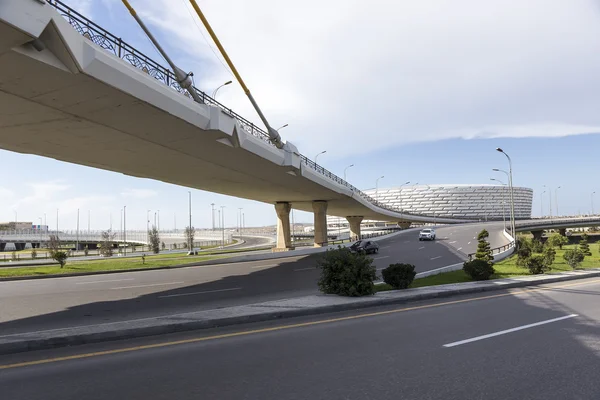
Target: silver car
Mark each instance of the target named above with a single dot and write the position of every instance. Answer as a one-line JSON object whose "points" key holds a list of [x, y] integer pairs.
{"points": [[427, 234]]}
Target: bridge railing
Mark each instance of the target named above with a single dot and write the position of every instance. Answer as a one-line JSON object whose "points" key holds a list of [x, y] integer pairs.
{"points": [[495, 250], [125, 51], [557, 221]]}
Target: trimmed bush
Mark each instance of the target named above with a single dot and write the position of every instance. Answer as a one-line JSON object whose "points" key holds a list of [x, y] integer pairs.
{"points": [[33, 254], [537, 264], [60, 257], [346, 274], [484, 251], [549, 255], [478, 270], [523, 255], [557, 240], [573, 257], [584, 247], [537, 246], [399, 276]]}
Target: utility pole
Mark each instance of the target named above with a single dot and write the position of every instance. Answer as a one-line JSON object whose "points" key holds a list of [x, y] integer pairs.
{"points": [[190, 226], [222, 226], [89, 222], [125, 229], [213, 215], [77, 246]]}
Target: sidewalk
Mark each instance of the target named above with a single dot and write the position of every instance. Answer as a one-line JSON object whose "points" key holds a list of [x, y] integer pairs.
{"points": [[308, 305]]}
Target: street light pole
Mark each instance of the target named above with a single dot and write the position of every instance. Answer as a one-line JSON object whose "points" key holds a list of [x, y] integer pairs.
{"points": [[148, 229], [556, 199], [345, 169], [593, 202], [214, 94], [503, 200], [400, 194], [317, 156], [190, 243], [542, 203], [281, 127], [222, 226], [377, 186], [512, 196], [77, 245], [125, 230]]}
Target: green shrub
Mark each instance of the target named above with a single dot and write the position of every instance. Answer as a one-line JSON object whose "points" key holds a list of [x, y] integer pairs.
{"points": [[584, 247], [478, 270], [13, 256], [524, 242], [557, 240], [484, 251], [523, 255], [33, 254], [549, 255], [399, 276], [573, 257], [346, 274], [60, 257], [537, 246], [86, 250], [537, 264]]}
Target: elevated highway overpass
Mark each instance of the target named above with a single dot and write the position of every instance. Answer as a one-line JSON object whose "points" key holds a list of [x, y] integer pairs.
{"points": [[73, 91]]}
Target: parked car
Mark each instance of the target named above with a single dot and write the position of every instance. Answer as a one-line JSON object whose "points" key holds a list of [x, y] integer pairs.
{"points": [[427, 234], [365, 247]]}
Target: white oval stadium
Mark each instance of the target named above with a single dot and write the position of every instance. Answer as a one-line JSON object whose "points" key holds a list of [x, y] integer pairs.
{"points": [[477, 202]]}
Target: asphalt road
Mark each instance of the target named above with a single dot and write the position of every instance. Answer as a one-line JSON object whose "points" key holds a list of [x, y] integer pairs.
{"points": [[524, 344], [35, 305]]}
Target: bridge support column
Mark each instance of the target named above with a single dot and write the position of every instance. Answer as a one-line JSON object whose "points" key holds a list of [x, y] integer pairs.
{"points": [[2, 246], [320, 213], [19, 246], [404, 225], [537, 235], [354, 222], [284, 239], [563, 231]]}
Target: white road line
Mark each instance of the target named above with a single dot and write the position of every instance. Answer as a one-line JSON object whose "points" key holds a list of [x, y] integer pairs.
{"points": [[203, 292], [518, 328], [264, 266], [421, 248], [305, 269], [469, 243], [460, 248], [153, 284], [454, 241], [435, 258], [111, 280], [381, 258]]}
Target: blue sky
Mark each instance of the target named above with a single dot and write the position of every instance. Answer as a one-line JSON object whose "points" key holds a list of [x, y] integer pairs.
{"points": [[430, 110]]}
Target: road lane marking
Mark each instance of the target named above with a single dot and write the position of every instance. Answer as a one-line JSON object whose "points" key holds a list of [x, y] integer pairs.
{"points": [[264, 266], [110, 280], [202, 292], [454, 241], [381, 258], [281, 327], [518, 328], [469, 243], [435, 258], [421, 248], [305, 269], [152, 284], [460, 248]]}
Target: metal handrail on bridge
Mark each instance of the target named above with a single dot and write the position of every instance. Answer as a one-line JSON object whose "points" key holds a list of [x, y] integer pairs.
{"points": [[125, 51], [495, 250]]}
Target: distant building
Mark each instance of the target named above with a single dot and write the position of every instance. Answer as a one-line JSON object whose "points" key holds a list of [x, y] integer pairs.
{"points": [[15, 225]]}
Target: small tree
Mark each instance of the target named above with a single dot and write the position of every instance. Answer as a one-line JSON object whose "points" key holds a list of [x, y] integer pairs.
{"points": [[557, 240], [537, 264], [478, 270], [573, 257], [537, 246], [86, 250], [60, 257], [13, 256], [33, 254], [154, 240], [584, 247], [484, 252], [346, 273], [549, 255], [189, 236], [53, 244], [523, 255], [108, 243], [163, 246]]}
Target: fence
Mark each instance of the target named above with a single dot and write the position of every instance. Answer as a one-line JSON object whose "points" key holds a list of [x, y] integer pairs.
{"points": [[495, 250]]}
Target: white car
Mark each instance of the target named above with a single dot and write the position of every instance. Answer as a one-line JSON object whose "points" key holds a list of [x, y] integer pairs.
{"points": [[427, 234]]}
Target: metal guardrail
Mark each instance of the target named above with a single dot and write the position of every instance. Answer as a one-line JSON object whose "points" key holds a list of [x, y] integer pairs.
{"points": [[125, 51], [495, 250], [561, 221]]}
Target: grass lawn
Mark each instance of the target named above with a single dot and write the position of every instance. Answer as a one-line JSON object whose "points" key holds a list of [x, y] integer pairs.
{"points": [[111, 264], [504, 269]]}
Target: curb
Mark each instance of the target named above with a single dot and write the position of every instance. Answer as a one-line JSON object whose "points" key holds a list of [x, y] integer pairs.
{"points": [[71, 338]]}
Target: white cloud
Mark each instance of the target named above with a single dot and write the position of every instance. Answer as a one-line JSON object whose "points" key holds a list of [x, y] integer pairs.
{"points": [[43, 192], [399, 72], [139, 193], [5, 193]]}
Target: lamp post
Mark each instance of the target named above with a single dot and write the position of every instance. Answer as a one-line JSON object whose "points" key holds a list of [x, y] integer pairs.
{"points": [[190, 243], [592, 196], [400, 194], [317, 156], [512, 196], [503, 200], [222, 226], [542, 202], [240, 223], [125, 230], [377, 186], [556, 199], [345, 169], [214, 93], [40, 218], [213, 215], [281, 127], [148, 229], [77, 245]]}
